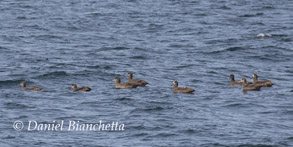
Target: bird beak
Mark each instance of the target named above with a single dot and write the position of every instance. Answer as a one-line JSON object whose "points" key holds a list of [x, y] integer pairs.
{"points": [[113, 80]]}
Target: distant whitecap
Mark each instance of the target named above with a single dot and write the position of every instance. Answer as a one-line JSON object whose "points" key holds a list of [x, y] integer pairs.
{"points": [[263, 35]]}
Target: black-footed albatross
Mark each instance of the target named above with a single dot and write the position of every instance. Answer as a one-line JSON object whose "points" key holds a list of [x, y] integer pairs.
{"points": [[23, 86], [177, 89], [74, 87], [233, 82], [119, 85], [247, 87], [136, 81], [262, 83]]}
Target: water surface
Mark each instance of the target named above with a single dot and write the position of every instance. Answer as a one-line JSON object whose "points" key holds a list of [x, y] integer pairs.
{"points": [[53, 44]]}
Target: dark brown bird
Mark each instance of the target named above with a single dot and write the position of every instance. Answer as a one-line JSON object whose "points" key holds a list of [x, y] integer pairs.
{"points": [[23, 86], [136, 81], [262, 83], [123, 85], [233, 82], [177, 89], [74, 87], [246, 86]]}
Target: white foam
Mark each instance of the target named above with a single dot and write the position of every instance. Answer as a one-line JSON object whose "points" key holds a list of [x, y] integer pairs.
{"points": [[263, 35]]}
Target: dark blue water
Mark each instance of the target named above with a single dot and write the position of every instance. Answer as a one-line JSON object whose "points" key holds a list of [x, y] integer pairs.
{"points": [[53, 44]]}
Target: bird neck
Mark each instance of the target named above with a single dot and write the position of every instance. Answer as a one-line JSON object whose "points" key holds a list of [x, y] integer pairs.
{"points": [[74, 88], [255, 79], [232, 79], [244, 83]]}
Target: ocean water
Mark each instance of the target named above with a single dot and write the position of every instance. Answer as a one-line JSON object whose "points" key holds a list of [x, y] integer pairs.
{"points": [[53, 44]]}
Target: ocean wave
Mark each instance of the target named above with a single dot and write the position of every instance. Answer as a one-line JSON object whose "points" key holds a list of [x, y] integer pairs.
{"points": [[252, 15], [235, 48], [262, 35], [164, 134], [12, 105], [119, 48], [144, 110], [9, 137], [124, 99], [107, 67], [10, 82], [244, 105], [53, 75], [225, 8], [3, 48], [140, 134], [229, 49], [46, 36], [188, 131], [288, 112], [233, 145], [138, 57], [256, 145]]}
